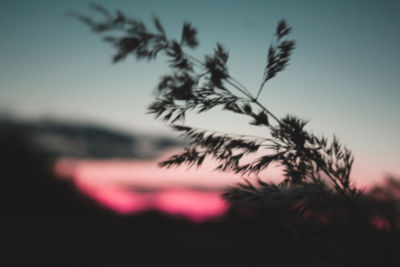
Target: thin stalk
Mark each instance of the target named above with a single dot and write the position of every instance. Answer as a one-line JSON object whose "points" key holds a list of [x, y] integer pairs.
{"points": [[241, 88], [241, 85], [232, 134], [266, 110], [259, 90], [194, 59]]}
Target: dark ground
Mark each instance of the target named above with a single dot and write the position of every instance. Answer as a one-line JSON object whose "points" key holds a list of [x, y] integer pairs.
{"points": [[154, 240]]}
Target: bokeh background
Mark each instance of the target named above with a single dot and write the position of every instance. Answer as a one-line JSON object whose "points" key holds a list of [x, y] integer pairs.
{"points": [[82, 121]]}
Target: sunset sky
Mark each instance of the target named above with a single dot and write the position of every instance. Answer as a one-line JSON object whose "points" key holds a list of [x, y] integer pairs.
{"points": [[343, 77]]}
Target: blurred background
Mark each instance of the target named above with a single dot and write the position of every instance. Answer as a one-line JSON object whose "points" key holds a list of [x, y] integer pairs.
{"points": [[79, 153]]}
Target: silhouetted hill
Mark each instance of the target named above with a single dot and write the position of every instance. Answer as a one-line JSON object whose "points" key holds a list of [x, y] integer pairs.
{"points": [[28, 185]]}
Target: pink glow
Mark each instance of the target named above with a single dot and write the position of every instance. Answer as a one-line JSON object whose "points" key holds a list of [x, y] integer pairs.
{"points": [[382, 223], [109, 182], [200, 206], [120, 200], [195, 205]]}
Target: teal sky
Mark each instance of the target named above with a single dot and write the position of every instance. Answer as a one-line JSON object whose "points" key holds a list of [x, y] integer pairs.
{"points": [[344, 74]]}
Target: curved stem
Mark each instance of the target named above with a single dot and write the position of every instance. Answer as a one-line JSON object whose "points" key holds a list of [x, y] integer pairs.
{"points": [[241, 88], [266, 110], [259, 90], [232, 134], [241, 85], [199, 62], [237, 86]]}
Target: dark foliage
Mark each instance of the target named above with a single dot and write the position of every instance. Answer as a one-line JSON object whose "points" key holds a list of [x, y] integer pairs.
{"points": [[316, 169]]}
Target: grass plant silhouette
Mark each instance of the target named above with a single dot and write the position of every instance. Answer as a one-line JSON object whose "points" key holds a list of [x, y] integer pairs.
{"points": [[316, 195]]}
